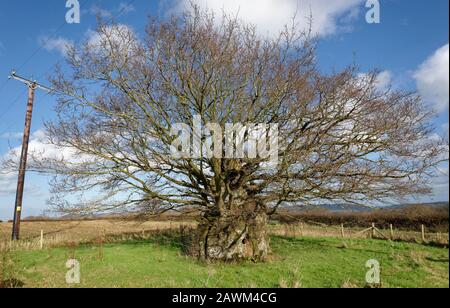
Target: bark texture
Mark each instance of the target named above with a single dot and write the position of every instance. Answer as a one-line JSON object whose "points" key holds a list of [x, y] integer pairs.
{"points": [[234, 235]]}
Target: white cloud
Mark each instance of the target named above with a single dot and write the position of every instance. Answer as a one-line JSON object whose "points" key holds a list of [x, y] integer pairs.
{"points": [[58, 44], [432, 78], [123, 8], [8, 184], [120, 35], [11, 135], [118, 38], [384, 80], [40, 148], [440, 185], [98, 11], [445, 128], [270, 16]]}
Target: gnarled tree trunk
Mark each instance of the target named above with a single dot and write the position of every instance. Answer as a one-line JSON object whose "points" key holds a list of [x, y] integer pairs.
{"points": [[238, 233]]}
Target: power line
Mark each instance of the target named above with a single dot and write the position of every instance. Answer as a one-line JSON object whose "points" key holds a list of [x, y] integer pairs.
{"points": [[35, 52], [42, 45], [4, 85], [9, 126], [12, 104], [8, 108], [122, 10], [32, 86], [119, 13]]}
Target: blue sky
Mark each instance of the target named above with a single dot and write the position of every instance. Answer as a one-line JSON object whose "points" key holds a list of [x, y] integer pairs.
{"points": [[410, 47]]}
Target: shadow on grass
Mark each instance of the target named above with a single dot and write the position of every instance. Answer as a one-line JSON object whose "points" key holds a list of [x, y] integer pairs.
{"points": [[181, 239], [324, 244], [443, 260], [298, 240], [436, 245]]}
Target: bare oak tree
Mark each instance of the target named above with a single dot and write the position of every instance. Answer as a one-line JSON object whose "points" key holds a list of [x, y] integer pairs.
{"points": [[341, 137]]}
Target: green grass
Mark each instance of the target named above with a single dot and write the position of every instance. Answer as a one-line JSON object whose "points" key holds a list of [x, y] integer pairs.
{"points": [[294, 263]]}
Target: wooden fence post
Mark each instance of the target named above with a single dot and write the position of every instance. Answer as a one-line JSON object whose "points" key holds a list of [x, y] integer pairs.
{"points": [[391, 227], [42, 240], [342, 231], [423, 234], [373, 230]]}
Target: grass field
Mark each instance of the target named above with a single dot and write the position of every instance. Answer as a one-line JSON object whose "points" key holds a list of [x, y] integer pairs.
{"points": [[306, 262]]}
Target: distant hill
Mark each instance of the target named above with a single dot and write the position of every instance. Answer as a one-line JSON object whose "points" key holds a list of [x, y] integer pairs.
{"points": [[331, 207], [342, 207], [437, 205], [435, 216], [346, 207]]}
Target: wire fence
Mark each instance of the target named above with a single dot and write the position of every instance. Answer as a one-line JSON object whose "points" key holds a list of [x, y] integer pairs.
{"points": [[40, 235], [421, 235]]}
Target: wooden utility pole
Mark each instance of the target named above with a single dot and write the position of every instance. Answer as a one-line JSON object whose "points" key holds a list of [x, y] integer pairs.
{"points": [[32, 86]]}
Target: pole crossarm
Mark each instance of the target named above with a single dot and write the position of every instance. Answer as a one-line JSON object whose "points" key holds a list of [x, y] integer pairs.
{"points": [[31, 83]]}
